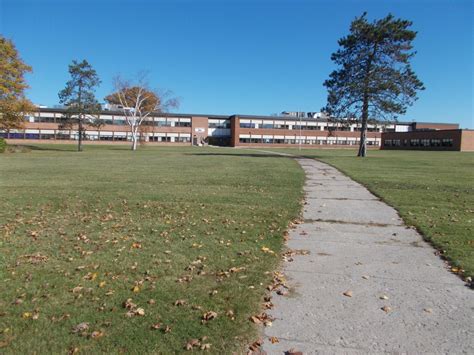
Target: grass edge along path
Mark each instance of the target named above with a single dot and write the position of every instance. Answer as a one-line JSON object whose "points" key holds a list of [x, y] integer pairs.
{"points": [[432, 192]]}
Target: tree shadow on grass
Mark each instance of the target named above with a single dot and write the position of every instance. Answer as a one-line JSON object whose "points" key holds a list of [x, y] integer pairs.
{"points": [[248, 155], [46, 148]]}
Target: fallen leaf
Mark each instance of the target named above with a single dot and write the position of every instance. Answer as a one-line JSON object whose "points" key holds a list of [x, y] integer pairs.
{"points": [[96, 334], [26, 315], [140, 311], [255, 320], [428, 310], [206, 346], [230, 314], [209, 316], [81, 327], [77, 289], [136, 245], [180, 303], [274, 340], [386, 309], [156, 326], [255, 346], [192, 343], [384, 297], [348, 293]]}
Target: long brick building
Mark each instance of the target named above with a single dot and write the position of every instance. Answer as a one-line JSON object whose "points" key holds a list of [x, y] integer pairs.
{"points": [[195, 129]]}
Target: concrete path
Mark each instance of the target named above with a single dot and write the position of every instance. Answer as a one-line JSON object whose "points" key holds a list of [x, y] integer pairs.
{"points": [[359, 244]]}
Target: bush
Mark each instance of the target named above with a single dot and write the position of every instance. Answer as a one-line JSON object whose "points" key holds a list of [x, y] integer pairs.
{"points": [[3, 145]]}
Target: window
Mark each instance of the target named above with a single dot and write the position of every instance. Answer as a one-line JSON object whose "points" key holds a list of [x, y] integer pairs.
{"points": [[48, 119], [280, 126], [425, 142], [183, 139], [388, 142], [447, 142], [182, 124], [163, 123], [213, 123], [414, 142], [247, 125], [46, 136], [267, 125], [436, 142]]}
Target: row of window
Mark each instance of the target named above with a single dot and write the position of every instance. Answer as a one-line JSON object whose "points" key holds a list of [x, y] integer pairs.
{"points": [[303, 141], [92, 137], [435, 142], [162, 122], [219, 124], [304, 127]]}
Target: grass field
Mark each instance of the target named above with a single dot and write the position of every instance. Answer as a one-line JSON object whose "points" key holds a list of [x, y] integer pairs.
{"points": [[433, 191], [117, 251]]}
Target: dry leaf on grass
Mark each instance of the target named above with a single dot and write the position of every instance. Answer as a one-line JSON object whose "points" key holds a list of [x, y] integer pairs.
{"points": [[210, 315]]}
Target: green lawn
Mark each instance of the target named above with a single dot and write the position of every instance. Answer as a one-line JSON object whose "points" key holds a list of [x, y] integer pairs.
{"points": [[433, 191], [82, 233]]}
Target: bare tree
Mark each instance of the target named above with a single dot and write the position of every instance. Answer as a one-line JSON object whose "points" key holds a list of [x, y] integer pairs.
{"points": [[138, 101]]}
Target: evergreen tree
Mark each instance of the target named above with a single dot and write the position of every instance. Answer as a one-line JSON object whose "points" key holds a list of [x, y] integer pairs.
{"points": [[79, 97], [374, 78]]}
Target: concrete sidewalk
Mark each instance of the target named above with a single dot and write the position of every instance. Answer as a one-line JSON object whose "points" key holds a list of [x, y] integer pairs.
{"points": [[359, 244]]}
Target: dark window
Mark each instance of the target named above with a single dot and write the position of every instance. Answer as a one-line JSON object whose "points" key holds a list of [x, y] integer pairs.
{"points": [[247, 125], [447, 142]]}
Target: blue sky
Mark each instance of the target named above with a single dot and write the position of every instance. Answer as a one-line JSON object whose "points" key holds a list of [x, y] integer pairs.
{"points": [[247, 57]]}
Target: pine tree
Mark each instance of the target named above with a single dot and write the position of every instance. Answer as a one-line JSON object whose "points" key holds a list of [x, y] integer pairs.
{"points": [[374, 78], [79, 97]]}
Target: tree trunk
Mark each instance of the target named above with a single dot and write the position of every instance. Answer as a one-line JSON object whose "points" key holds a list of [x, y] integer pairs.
{"points": [[134, 139], [79, 144], [363, 131]]}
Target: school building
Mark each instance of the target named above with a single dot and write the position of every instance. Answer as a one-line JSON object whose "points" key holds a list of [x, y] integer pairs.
{"points": [[44, 125]]}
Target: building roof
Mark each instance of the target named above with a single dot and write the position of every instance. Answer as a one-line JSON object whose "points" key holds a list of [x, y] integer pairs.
{"points": [[261, 117]]}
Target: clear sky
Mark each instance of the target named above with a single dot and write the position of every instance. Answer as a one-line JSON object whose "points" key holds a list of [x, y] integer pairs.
{"points": [[231, 56]]}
